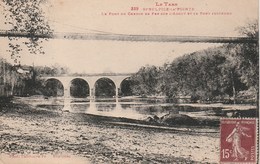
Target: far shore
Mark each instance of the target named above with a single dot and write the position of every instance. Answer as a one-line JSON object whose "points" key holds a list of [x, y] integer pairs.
{"points": [[220, 105]]}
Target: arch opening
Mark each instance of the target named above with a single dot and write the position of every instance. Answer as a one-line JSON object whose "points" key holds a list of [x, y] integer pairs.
{"points": [[53, 88], [79, 88], [105, 87], [126, 87]]}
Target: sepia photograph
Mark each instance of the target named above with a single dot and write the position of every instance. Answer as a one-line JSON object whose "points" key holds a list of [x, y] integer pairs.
{"points": [[133, 81]]}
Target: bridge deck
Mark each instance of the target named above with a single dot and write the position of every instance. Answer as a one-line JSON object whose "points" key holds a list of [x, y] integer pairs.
{"points": [[132, 38]]}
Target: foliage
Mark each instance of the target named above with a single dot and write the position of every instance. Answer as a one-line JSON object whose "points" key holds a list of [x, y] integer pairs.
{"points": [[26, 16], [196, 74], [27, 82], [248, 55], [145, 81], [216, 73], [54, 70]]}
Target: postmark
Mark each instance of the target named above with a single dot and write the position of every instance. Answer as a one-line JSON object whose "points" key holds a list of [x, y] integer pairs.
{"points": [[238, 140]]}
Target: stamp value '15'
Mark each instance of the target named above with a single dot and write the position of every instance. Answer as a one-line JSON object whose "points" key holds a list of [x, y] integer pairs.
{"points": [[238, 140]]}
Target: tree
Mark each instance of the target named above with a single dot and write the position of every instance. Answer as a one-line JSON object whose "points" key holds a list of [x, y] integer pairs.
{"points": [[145, 81], [249, 56], [26, 16], [231, 74], [208, 74]]}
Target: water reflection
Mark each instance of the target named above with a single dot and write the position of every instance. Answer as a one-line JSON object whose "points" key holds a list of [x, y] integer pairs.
{"points": [[135, 109], [128, 108], [108, 107]]}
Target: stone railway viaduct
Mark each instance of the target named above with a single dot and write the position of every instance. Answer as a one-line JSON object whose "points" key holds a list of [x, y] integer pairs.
{"points": [[91, 80]]}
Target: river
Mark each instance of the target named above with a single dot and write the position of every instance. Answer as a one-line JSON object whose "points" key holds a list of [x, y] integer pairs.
{"points": [[133, 108]]}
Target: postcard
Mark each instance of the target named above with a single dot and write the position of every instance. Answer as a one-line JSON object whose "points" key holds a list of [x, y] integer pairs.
{"points": [[133, 81]]}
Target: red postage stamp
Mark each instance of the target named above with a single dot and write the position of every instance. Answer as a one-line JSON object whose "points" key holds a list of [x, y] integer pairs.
{"points": [[238, 140]]}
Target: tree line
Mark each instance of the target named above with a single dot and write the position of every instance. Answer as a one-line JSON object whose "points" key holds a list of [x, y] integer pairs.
{"points": [[22, 80], [228, 72]]}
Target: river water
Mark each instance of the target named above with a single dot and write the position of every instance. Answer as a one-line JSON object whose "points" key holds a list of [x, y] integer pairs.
{"points": [[134, 108]]}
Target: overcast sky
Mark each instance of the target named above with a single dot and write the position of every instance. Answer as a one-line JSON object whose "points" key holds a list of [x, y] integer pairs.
{"points": [[87, 16]]}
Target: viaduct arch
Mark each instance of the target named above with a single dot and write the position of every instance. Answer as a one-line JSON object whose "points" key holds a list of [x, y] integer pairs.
{"points": [[91, 80], [54, 87]]}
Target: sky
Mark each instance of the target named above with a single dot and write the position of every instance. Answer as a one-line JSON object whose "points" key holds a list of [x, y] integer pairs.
{"points": [[116, 16]]}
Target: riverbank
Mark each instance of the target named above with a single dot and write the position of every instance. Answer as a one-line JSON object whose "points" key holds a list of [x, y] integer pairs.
{"points": [[27, 132], [224, 106]]}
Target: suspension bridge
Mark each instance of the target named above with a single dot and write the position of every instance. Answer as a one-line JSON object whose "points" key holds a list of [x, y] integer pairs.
{"points": [[129, 37]]}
